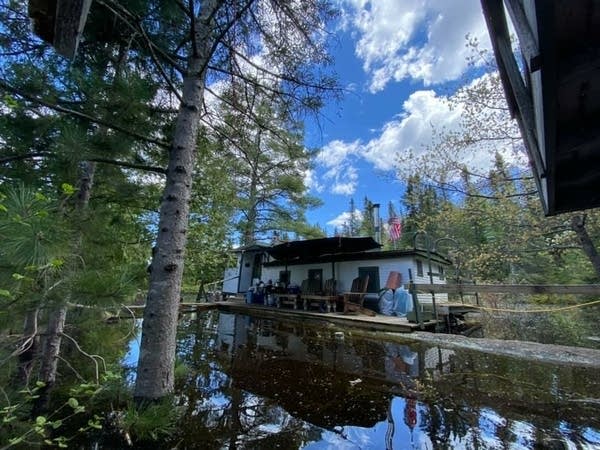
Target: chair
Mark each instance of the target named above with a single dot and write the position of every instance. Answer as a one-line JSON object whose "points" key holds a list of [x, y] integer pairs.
{"points": [[353, 300], [325, 297], [290, 296]]}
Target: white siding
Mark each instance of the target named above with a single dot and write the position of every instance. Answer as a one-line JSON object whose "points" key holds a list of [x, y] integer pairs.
{"points": [[424, 279], [231, 279], [297, 273], [346, 271]]}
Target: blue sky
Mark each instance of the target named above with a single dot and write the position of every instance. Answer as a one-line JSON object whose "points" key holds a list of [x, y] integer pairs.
{"points": [[398, 59]]}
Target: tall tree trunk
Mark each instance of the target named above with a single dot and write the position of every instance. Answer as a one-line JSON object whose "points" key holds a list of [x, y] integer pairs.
{"points": [[156, 362], [29, 344], [50, 352], [57, 317], [86, 182], [252, 216], [51, 347], [578, 226]]}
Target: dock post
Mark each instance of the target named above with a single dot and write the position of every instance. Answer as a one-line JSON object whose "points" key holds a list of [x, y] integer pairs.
{"points": [[416, 306]]}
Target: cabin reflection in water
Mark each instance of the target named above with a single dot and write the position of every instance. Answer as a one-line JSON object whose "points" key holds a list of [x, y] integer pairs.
{"points": [[317, 374], [281, 384]]}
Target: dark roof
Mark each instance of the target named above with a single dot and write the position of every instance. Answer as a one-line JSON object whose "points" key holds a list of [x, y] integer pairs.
{"points": [[252, 248], [361, 256], [310, 248], [554, 93], [59, 22]]}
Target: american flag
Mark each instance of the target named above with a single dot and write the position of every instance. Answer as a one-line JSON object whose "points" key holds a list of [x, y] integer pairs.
{"points": [[395, 229]]}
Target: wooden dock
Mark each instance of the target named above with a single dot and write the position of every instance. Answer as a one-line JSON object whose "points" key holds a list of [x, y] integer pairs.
{"points": [[372, 323]]}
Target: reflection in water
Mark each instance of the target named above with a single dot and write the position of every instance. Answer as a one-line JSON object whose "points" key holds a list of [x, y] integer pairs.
{"points": [[258, 383]]}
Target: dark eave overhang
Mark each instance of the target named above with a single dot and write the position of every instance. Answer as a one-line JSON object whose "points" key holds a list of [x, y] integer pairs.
{"points": [[361, 256], [59, 22], [554, 94]]}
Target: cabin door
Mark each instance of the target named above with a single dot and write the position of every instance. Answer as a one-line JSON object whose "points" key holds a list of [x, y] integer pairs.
{"points": [[315, 276], [251, 269]]}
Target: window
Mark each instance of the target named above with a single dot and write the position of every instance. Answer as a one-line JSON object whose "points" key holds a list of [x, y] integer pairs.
{"points": [[373, 273], [419, 268]]}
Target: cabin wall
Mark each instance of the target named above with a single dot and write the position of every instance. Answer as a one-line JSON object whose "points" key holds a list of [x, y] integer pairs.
{"points": [[424, 278], [231, 277], [298, 273], [246, 261], [349, 269], [240, 278], [346, 271]]}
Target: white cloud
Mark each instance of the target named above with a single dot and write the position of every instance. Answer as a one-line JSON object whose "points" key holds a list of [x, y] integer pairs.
{"points": [[412, 130], [337, 158], [418, 39], [335, 152], [311, 181], [344, 218], [423, 114], [345, 179]]}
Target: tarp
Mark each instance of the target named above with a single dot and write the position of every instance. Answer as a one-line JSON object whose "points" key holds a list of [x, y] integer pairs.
{"points": [[289, 251]]}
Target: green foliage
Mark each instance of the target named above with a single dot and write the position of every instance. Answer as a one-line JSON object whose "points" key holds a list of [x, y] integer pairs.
{"points": [[494, 215], [19, 428], [150, 422], [570, 327], [268, 161]]}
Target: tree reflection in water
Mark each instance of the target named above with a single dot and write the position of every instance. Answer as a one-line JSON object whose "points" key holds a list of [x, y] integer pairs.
{"points": [[259, 383]]}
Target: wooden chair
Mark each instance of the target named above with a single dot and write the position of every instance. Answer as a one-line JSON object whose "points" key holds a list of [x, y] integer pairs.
{"points": [[353, 300], [290, 298], [325, 297]]}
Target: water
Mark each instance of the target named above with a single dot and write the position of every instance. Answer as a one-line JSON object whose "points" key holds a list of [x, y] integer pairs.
{"points": [[260, 384]]}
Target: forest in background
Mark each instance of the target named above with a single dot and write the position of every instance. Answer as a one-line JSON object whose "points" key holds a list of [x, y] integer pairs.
{"points": [[88, 149]]}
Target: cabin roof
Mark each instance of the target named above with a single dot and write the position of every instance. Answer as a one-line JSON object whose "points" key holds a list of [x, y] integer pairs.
{"points": [[59, 22], [256, 247], [554, 93], [361, 256], [310, 248]]}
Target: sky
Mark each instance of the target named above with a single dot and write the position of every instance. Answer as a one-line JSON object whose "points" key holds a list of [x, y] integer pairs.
{"points": [[397, 61]]}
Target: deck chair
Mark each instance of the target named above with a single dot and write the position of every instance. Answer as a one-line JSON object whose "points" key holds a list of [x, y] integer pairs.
{"points": [[353, 300], [324, 298], [290, 297]]}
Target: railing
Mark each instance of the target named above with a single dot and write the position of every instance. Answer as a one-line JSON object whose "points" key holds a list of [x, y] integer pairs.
{"points": [[476, 289], [210, 291], [460, 288]]}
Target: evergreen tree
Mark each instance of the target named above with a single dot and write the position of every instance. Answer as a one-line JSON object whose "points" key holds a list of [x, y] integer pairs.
{"points": [[267, 161], [367, 224]]}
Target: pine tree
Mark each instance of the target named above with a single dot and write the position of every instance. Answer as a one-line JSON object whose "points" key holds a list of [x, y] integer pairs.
{"points": [[267, 161]]}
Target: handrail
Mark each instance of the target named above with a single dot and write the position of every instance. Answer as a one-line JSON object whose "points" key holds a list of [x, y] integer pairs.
{"points": [[585, 289]]}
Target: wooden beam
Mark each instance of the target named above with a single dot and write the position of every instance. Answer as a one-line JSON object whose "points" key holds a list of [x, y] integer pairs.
{"points": [[546, 31], [527, 39], [71, 16], [584, 289], [519, 98]]}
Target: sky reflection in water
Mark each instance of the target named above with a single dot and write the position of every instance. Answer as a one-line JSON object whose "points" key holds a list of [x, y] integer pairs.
{"points": [[260, 383]]}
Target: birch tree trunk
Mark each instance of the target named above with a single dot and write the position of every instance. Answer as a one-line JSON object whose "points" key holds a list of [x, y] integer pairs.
{"points": [[157, 350]]}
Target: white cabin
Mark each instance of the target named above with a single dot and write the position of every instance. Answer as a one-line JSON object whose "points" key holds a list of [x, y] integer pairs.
{"points": [[258, 263]]}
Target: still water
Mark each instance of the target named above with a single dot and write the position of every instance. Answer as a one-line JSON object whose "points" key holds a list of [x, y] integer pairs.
{"points": [[256, 383]]}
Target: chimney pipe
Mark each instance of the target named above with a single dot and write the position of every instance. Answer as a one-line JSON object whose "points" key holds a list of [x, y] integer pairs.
{"points": [[377, 222]]}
